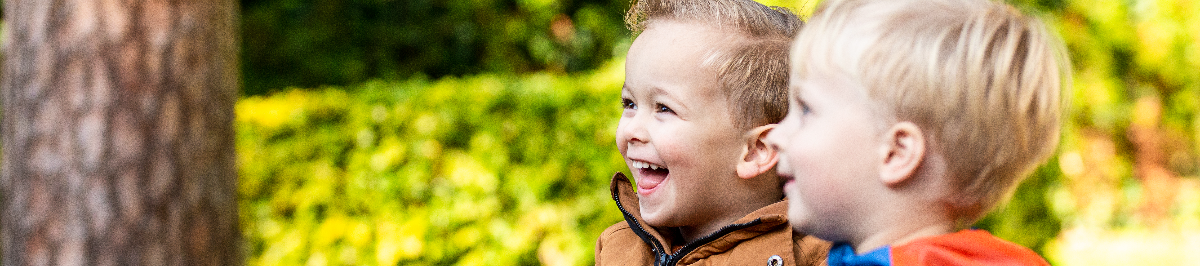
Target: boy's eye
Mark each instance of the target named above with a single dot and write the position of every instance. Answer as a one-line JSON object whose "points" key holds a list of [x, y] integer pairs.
{"points": [[626, 103], [663, 109], [802, 107]]}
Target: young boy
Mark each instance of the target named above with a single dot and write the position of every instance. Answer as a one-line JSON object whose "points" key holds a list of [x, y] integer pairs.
{"points": [[909, 120], [704, 82]]}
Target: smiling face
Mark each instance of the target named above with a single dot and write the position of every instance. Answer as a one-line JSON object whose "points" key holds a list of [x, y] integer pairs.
{"points": [[676, 132], [830, 154]]}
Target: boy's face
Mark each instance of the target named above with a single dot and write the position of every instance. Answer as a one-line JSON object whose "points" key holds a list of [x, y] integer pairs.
{"points": [[676, 132], [829, 153]]}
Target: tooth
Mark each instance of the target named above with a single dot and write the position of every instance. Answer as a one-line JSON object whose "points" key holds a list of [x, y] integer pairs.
{"points": [[655, 167]]}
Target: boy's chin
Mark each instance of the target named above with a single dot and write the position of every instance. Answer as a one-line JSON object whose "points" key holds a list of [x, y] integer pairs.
{"points": [[656, 217], [801, 221], [791, 190]]}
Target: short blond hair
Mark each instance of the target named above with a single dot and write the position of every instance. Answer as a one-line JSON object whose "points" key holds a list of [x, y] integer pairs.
{"points": [[982, 80], [752, 72]]}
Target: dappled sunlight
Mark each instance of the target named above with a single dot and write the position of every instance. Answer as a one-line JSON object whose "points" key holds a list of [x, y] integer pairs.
{"points": [[1125, 247]]}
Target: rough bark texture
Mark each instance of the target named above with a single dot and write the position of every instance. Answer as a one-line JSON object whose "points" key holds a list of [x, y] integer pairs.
{"points": [[117, 133]]}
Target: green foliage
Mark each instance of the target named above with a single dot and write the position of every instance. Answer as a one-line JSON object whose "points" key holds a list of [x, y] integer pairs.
{"points": [[312, 43], [1028, 218], [1135, 65], [483, 170]]}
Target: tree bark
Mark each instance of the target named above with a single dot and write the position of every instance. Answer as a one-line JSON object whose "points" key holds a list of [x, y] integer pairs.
{"points": [[118, 133]]}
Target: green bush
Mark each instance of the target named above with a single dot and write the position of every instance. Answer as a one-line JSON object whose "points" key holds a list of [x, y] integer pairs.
{"points": [[484, 170], [314, 42]]}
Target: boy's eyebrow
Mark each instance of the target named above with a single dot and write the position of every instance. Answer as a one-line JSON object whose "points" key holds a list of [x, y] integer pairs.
{"points": [[654, 89], [680, 107], [794, 92], [660, 91]]}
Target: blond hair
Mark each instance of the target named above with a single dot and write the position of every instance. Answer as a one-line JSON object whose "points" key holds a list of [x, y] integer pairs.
{"points": [[981, 79], [752, 72]]}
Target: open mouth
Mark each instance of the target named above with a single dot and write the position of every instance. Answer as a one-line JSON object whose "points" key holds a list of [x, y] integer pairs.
{"points": [[649, 175], [785, 179]]}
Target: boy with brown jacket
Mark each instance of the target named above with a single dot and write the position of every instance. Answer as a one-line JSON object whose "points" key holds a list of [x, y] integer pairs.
{"points": [[705, 81]]}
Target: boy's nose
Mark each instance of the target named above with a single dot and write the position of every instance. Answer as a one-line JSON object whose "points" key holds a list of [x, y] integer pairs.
{"points": [[631, 129], [772, 138]]}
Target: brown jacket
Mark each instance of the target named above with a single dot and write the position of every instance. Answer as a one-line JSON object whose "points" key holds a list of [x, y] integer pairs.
{"points": [[755, 239]]}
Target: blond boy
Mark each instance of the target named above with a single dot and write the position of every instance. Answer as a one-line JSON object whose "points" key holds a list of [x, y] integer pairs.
{"points": [[704, 82], [909, 120]]}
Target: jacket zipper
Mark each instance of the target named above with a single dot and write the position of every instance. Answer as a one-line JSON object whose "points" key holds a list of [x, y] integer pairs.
{"points": [[691, 246], [661, 257]]}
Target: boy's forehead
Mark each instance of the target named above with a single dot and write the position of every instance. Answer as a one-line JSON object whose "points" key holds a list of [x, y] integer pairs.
{"points": [[799, 73], [689, 25], [716, 38], [799, 82], [805, 84], [672, 48]]}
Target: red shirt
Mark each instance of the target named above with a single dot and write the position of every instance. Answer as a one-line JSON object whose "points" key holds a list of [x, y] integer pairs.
{"points": [[967, 247]]}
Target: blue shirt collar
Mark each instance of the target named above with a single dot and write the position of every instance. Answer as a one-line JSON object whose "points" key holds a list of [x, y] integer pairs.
{"points": [[842, 254]]}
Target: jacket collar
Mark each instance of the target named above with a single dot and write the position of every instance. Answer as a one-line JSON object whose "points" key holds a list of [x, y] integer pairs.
{"points": [[750, 226]]}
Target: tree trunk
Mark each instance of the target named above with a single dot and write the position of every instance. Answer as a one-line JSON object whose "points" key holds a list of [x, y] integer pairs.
{"points": [[118, 133]]}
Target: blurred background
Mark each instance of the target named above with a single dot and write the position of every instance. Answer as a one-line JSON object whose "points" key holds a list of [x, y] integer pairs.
{"points": [[448, 132]]}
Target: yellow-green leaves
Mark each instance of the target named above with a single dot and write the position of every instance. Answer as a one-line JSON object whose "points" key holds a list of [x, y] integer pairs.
{"points": [[482, 170]]}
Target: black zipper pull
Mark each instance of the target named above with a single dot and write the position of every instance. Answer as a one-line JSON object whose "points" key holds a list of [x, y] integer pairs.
{"points": [[663, 259]]}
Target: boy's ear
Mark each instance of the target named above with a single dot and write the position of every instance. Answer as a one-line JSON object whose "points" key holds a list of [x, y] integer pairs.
{"points": [[757, 157], [904, 151]]}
